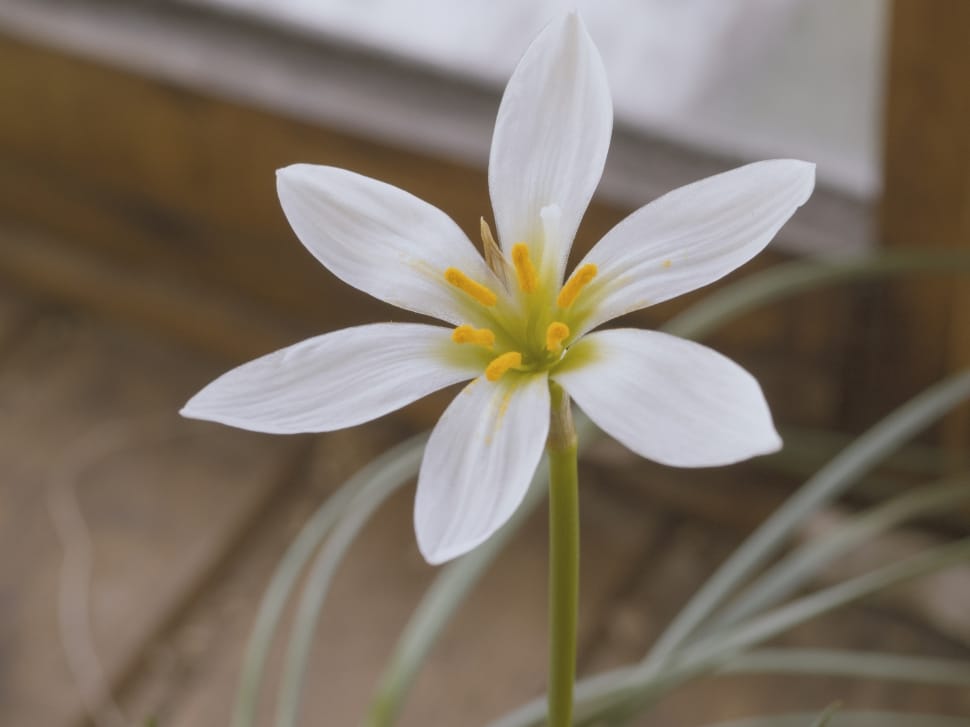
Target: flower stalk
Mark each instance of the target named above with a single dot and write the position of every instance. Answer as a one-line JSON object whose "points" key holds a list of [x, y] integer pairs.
{"points": [[563, 557]]}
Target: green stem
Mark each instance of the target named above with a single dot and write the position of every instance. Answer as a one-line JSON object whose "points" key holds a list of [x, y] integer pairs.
{"points": [[563, 559]]}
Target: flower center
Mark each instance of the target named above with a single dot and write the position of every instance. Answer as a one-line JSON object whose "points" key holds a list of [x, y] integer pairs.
{"points": [[527, 329]]}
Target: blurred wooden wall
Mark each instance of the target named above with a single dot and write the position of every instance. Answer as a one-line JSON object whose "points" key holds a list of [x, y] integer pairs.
{"points": [[155, 203], [919, 330]]}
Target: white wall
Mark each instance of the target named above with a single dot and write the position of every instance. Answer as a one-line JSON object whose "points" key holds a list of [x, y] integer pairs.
{"points": [[752, 78]]}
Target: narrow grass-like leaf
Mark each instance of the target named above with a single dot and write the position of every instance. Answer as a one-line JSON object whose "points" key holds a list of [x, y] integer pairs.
{"points": [[377, 482], [784, 281], [850, 719], [288, 572], [436, 609], [795, 570], [715, 650], [629, 690], [852, 664], [830, 482], [825, 718], [807, 449]]}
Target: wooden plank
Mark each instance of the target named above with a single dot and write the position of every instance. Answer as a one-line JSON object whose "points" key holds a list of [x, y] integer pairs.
{"points": [[97, 465], [210, 320], [921, 329], [178, 218], [238, 328], [16, 317], [333, 82]]}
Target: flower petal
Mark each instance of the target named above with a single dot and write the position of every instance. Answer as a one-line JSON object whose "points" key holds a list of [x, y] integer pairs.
{"points": [[551, 138], [479, 462], [380, 239], [668, 399], [691, 237], [334, 381]]}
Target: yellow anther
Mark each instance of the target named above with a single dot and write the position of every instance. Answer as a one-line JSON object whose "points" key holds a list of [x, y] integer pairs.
{"points": [[476, 290], [556, 333], [667, 263], [574, 286], [479, 336], [500, 364], [524, 269]]}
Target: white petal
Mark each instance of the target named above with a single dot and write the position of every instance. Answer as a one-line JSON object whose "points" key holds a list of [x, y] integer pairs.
{"points": [[670, 400], [479, 462], [551, 138], [334, 381], [380, 239], [692, 236]]}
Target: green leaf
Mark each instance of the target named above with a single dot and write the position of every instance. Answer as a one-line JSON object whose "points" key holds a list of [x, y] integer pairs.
{"points": [[628, 690], [795, 570], [404, 456], [825, 718], [851, 664], [376, 483], [850, 719], [830, 482], [784, 281]]}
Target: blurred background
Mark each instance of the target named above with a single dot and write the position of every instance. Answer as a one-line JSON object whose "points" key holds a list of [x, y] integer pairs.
{"points": [[143, 251]]}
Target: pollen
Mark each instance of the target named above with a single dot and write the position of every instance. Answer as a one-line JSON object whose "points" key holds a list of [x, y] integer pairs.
{"points": [[479, 292], [574, 286], [468, 334], [556, 333], [524, 269], [500, 364]]}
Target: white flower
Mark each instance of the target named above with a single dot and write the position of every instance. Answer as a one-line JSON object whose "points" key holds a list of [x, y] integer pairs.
{"points": [[517, 324]]}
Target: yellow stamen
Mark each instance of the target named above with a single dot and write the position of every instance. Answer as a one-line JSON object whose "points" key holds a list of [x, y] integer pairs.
{"points": [[500, 364], [476, 290], [579, 280], [524, 269], [556, 333], [479, 336]]}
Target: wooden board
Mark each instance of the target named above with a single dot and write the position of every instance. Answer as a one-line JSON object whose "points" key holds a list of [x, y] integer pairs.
{"points": [[98, 468], [920, 331], [173, 191]]}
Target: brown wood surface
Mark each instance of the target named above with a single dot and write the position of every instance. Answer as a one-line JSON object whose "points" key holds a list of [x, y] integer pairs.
{"points": [[88, 419], [920, 330], [155, 203]]}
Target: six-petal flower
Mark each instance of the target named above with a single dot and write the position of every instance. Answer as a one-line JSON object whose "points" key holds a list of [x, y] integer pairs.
{"points": [[518, 321]]}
